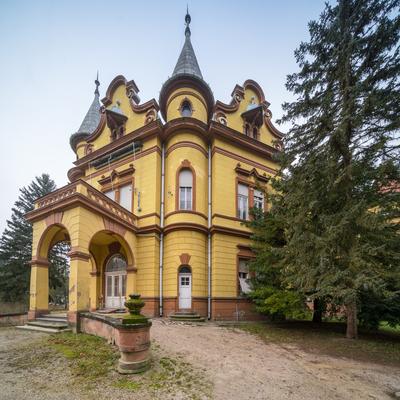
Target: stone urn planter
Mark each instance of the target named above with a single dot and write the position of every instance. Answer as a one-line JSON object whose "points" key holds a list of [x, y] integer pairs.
{"points": [[133, 338]]}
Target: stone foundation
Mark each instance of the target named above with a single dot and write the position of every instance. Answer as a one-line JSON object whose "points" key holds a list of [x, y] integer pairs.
{"points": [[234, 309], [222, 309]]}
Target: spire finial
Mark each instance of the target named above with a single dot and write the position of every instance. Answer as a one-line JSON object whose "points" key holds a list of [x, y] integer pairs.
{"points": [[97, 83], [187, 20]]}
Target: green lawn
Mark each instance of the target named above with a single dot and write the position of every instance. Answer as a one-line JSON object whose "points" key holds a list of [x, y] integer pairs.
{"points": [[329, 338]]}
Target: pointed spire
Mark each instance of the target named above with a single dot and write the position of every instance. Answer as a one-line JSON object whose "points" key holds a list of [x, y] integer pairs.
{"points": [[91, 120], [97, 83], [187, 61]]}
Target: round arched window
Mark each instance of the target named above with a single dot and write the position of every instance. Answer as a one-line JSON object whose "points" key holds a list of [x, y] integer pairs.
{"points": [[184, 270], [116, 263], [186, 109]]}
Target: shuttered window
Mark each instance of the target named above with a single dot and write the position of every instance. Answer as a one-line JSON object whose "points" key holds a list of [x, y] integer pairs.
{"points": [[125, 197], [185, 189]]}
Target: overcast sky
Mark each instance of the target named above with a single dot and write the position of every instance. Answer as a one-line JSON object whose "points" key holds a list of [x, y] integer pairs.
{"points": [[51, 50]]}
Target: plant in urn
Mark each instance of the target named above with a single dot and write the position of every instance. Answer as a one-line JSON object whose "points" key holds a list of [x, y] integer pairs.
{"points": [[134, 304]]}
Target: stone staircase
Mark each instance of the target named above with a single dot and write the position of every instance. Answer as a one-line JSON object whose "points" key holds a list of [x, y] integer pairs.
{"points": [[186, 316], [48, 323]]}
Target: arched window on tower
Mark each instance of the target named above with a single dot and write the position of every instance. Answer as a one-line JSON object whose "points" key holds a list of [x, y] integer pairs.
{"points": [[186, 109], [185, 189]]}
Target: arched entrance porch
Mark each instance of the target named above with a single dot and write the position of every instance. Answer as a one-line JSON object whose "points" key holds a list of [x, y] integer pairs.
{"points": [[114, 272]]}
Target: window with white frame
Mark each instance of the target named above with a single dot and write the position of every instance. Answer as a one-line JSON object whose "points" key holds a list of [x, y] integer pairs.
{"points": [[259, 199], [243, 276], [185, 189], [110, 194], [125, 196], [243, 201]]}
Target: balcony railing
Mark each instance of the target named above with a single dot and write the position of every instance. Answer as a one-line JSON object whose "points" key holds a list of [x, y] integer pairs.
{"points": [[81, 193]]}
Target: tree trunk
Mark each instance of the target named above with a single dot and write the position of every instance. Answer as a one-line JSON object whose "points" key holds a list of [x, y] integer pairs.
{"points": [[317, 311], [351, 314]]}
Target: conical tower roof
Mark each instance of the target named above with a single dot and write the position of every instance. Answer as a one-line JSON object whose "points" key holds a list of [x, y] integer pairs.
{"points": [[91, 120], [187, 61], [186, 73]]}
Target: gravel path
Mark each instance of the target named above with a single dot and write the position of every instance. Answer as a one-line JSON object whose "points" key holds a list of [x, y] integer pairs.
{"points": [[244, 367], [239, 365]]}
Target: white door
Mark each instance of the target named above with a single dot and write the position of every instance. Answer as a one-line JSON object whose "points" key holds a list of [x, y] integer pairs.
{"points": [[115, 289], [185, 290]]}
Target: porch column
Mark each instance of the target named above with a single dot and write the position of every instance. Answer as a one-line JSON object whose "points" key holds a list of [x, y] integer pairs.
{"points": [[39, 288], [79, 285], [94, 290], [131, 278]]}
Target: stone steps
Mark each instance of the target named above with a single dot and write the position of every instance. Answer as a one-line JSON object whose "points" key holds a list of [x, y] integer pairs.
{"points": [[49, 323], [52, 319], [186, 317], [42, 329]]}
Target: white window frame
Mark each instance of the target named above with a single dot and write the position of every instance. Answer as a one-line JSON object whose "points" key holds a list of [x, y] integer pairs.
{"points": [[259, 199], [110, 194], [185, 190], [243, 276], [128, 205], [242, 201]]}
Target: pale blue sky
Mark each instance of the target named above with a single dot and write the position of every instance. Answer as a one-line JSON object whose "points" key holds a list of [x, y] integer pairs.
{"points": [[51, 50]]}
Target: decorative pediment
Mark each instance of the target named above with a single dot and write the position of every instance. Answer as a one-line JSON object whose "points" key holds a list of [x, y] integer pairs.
{"points": [[184, 258], [117, 175], [249, 101], [253, 172]]}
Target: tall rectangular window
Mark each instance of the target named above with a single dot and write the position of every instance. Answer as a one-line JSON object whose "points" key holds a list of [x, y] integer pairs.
{"points": [[259, 199], [125, 197], [242, 201], [185, 189]]}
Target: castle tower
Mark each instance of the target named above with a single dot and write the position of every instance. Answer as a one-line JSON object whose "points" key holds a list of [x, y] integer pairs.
{"points": [[186, 103]]}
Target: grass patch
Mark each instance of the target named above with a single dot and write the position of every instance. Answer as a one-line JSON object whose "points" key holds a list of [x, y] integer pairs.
{"points": [[385, 327], [329, 339], [127, 384], [91, 359], [90, 356], [168, 378]]}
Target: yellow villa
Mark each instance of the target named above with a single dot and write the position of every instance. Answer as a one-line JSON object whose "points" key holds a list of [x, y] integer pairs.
{"points": [[157, 198]]}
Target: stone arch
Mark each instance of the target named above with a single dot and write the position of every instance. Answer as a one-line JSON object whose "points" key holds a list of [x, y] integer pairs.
{"points": [[114, 243], [52, 235]]}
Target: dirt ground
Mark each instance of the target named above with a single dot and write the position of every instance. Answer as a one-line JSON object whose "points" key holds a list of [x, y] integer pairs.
{"points": [[238, 365]]}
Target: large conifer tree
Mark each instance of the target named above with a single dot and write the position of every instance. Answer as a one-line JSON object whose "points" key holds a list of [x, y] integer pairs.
{"points": [[340, 167], [16, 247]]}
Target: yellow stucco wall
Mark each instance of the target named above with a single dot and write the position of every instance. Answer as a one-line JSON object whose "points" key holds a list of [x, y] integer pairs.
{"points": [[193, 243], [197, 100]]}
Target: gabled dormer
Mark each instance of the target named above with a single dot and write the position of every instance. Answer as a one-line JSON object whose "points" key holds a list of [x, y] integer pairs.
{"points": [[248, 113]]}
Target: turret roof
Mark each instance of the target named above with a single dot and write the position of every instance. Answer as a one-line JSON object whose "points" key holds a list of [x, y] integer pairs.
{"points": [[187, 61], [91, 120]]}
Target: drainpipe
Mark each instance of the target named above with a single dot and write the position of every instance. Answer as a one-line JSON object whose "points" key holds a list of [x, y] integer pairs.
{"points": [[162, 226], [209, 234]]}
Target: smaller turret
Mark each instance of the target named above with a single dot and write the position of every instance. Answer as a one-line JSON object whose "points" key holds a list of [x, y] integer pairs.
{"points": [[91, 120]]}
